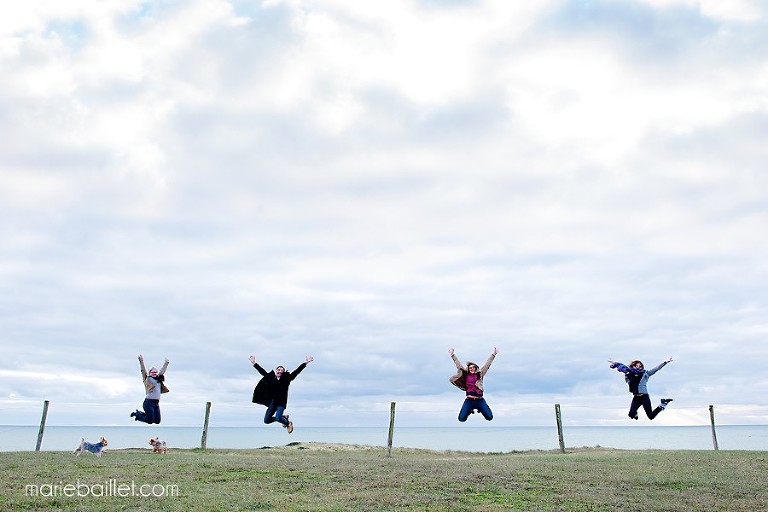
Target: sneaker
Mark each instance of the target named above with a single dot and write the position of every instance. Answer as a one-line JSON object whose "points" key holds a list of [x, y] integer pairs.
{"points": [[133, 414], [665, 401], [290, 427], [633, 417]]}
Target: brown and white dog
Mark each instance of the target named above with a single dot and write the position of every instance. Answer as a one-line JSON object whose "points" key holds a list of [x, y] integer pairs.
{"points": [[158, 446], [95, 448]]}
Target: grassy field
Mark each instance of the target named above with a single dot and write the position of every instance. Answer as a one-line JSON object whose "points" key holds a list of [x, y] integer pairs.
{"points": [[350, 478]]}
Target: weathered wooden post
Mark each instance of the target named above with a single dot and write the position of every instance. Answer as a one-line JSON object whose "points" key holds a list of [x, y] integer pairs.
{"points": [[559, 419], [42, 426], [391, 428], [204, 439], [712, 421]]}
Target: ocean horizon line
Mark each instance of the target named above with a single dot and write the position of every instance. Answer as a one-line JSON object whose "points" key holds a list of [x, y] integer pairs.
{"points": [[482, 438]]}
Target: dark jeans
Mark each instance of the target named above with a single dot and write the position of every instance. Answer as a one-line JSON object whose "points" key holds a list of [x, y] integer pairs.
{"points": [[151, 412], [275, 413], [645, 402], [475, 404]]}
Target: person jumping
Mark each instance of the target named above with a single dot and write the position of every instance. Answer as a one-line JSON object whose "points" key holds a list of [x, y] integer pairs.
{"points": [[470, 380], [637, 377], [272, 391]]}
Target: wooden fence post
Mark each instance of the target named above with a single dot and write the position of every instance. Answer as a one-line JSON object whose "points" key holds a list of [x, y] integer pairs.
{"points": [[204, 439], [391, 428], [559, 419], [712, 421], [42, 426]]}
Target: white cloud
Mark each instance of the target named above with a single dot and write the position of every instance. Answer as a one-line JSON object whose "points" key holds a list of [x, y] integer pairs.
{"points": [[371, 184], [726, 10]]}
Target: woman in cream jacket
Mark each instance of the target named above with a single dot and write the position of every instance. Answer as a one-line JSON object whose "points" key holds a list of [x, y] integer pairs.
{"points": [[470, 380]]}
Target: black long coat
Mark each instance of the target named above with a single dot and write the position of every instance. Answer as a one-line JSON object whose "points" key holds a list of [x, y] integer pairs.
{"points": [[270, 389]]}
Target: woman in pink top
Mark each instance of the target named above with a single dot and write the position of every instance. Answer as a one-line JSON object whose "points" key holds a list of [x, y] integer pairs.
{"points": [[470, 380]]}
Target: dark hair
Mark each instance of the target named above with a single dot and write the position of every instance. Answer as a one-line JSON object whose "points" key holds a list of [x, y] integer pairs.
{"points": [[636, 362]]}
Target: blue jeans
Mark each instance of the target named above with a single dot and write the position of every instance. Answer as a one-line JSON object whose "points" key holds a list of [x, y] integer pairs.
{"points": [[151, 412], [475, 404], [275, 413]]}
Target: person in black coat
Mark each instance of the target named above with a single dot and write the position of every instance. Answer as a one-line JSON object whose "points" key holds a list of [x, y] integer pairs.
{"points": [[272, 391]]}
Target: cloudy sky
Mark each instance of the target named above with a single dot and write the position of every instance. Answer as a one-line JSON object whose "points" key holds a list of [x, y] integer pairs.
{"points": [[373, 183]]}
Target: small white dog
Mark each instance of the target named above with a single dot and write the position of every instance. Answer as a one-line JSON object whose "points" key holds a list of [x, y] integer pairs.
{"points": [[158, 446], [95, 448]]}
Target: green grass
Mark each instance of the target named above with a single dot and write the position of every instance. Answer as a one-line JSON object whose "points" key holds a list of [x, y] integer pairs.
{"points": [[348, 478]]}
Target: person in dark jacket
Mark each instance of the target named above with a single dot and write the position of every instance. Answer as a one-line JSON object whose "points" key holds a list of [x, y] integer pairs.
{"points": [[272, 391], [637, 377]]}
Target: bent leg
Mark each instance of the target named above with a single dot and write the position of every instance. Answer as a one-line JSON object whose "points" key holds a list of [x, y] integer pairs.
{"points": [[484, 409], [141, 416], [148, 414], [269, 416], [156, 411], [652, 414], [466, 409], [279, 410], [648, 408], [152, 410]]}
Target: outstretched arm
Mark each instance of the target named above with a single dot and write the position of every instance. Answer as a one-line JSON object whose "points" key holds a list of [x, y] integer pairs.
{"points": [[618, 366], [141, 366], [303, 365], [662, 365], [487, 364], [165, 366], [261, 370], [455, 359]]}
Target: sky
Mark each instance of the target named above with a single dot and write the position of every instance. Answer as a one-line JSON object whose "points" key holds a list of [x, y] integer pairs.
{"points": [[372, 184]]}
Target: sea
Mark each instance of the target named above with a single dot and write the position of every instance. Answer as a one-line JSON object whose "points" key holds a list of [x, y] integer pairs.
{"points": [[459, 438]]}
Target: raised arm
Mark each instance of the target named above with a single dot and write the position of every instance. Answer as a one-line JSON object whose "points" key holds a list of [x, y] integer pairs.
{"points": [[165, 367], [619, 366], [662, 365], [141, 366], [455, 359], [261, 370], [487, 364], [295, 373]]}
